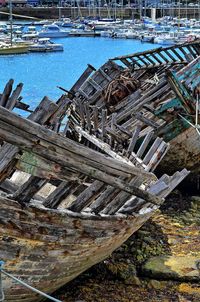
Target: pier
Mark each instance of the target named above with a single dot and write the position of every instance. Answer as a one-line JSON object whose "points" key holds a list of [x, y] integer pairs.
{"points": [[74, 12]]}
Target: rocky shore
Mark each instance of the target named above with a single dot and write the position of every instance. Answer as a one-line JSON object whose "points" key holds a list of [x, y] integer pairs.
{"points": [[161, 262]]}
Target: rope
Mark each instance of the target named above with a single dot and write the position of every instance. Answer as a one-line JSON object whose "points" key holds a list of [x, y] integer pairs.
{"points": [[196, 126], [125, 81], [2, 297]]}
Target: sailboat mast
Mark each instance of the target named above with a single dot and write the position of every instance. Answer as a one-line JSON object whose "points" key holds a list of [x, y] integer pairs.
{"points": [[179, 15], [11, 22], [59, 10]]}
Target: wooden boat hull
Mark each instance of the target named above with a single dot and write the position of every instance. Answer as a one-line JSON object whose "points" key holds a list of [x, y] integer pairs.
{"points": [[47, 248], [184, 152]]}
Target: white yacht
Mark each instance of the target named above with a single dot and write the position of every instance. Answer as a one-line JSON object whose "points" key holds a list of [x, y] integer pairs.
{"points": [[30, 34], [52, 31], [164, 40], [45, 45]]}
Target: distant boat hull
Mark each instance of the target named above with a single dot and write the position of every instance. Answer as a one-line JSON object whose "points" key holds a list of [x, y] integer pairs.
{"points": [[53, 34], [10, 50], [148, 39], [39, 48], [164, 41], [82, 33]]}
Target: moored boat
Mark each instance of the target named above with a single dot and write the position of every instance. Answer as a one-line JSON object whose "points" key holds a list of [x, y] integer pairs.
{"points": [[52, 31], [7, 49], [149, 38], [164, 40], [87, 32], [45, 45]]}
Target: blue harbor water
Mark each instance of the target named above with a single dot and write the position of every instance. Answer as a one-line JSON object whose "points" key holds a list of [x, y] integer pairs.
{"points": [[41, 73]]}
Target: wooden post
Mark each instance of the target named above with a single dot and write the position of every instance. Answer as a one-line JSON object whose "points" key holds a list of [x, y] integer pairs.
{"points": [[6, 93]]}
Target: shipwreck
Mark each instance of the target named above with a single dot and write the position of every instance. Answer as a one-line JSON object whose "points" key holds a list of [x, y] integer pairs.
{"points": [[77, 176], [156, 91]]}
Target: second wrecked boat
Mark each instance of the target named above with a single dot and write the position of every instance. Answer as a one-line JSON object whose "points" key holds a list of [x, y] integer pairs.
{"points": [[157, 91]]}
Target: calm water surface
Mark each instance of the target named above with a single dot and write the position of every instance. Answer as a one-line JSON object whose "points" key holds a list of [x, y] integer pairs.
{"points": [[41, 73]]}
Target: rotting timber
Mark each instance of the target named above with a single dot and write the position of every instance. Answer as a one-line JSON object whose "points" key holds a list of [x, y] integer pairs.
{"points": [[77, 175], [156, 90]]}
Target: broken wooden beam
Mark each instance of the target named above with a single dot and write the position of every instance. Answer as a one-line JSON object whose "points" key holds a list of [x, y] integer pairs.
{"points": [[31, 136], [6, 93]]}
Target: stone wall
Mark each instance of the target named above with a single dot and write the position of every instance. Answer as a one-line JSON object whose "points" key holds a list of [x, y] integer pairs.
{"points": [[126, 13]]}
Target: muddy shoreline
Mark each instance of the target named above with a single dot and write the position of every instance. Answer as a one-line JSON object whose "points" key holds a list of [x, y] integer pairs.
{"points": [[128, 275]]}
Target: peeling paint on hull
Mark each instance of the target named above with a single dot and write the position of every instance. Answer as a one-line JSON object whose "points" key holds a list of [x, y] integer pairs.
{"points": [[184, 152], [48, 248]]}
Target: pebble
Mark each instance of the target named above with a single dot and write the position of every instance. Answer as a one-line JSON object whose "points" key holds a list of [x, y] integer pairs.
{"points": [[154, 284]]}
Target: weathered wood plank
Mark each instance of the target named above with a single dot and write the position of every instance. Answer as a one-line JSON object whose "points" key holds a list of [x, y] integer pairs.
{"points": [[192, 51], [29, 189], [118, 201], [107, 149], [94, 84], [145, 143], [43, 168], [148, 58], [36, 182], [61, 192], [8, 152], [178, 55], [163, 187], [14, 97], [105, 75], [146, 98], [152, 150], [82, 78], [7, 160], [95, 118], [170, 56], [165, 59], [126, 62], [8, 186], [43, 111], [6, 93], [174, 180], [87, 113], [112, 200], [104, 200], [31, 136], [134, 139], [81, 112], [85, 197], [158, 155], [56, 118], [103, 123]]}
